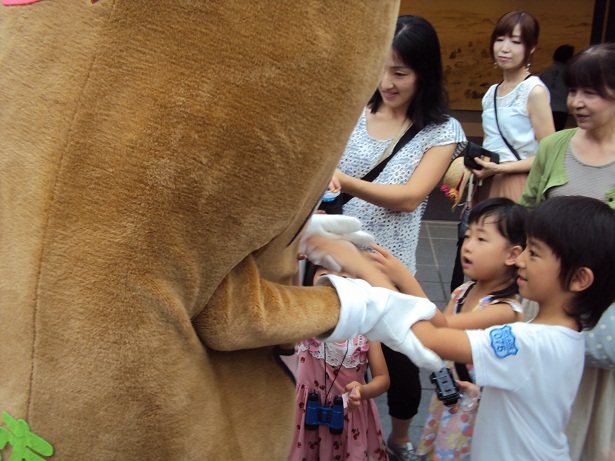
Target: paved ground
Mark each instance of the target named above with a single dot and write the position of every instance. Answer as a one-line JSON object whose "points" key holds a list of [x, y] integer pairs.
{"points": [[435, 259]]}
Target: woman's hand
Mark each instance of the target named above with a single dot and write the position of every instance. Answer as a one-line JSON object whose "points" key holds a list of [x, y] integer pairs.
{"points": [[489, 169], [354, 398]]}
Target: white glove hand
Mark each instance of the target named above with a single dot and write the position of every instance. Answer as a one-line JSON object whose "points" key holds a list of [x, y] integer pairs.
{"points": [[382, 315], [338, 226], [333, 226]]}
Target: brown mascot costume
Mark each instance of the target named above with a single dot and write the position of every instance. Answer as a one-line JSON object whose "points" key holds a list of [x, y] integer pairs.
{"points": [[158, 161]]}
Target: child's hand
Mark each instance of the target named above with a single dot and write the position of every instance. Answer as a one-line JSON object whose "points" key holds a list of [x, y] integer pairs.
{"points": [[354, 396], [395, 271], [386, 262], [470, 396], [469, 388]]}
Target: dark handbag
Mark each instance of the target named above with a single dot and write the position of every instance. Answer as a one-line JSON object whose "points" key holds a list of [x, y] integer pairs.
{"points": [[472, 151], [335, 206]]}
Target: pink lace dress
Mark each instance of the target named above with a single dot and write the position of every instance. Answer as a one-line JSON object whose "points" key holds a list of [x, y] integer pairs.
{"points": [[326, 368]]}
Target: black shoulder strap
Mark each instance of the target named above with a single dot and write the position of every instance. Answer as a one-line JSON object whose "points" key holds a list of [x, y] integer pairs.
{"points": [[374, 172], [495, 109], [461, 368]]}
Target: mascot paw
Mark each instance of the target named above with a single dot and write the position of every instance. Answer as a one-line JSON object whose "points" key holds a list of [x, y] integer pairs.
{"points": [[382, 315], [337, 226]]}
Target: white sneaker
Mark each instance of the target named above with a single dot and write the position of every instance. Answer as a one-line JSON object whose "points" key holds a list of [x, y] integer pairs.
{"points": [[401, 452]]}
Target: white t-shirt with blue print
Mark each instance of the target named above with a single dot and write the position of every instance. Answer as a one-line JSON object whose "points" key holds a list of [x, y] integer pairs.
{"points": [[530, 374]]}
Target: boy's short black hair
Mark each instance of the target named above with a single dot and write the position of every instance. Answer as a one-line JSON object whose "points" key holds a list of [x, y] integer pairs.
{"points": [[509, 218], [581, 233]]}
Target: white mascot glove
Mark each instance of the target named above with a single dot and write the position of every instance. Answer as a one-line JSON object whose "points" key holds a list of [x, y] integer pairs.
{"points": [[382, 315], [333, 226]]}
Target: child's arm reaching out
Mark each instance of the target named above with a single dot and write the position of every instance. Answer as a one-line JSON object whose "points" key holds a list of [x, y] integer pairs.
{"points": [[448, 343], [395, 270], [349, 258], [379, 383], [360, 264]]}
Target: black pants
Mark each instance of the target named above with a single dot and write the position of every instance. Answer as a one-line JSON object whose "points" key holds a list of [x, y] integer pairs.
{"points": [[404, 394]]}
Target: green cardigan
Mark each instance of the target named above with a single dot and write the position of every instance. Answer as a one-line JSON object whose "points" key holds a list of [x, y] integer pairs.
{"points": [[548, 169]]}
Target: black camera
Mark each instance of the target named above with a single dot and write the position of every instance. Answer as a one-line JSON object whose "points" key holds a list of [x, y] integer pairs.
{"points": [[316, 414], [474, 150], [446, 387]]}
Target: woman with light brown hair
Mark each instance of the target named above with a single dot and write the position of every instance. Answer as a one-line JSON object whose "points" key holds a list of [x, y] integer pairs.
{"points": [[516, 112]]}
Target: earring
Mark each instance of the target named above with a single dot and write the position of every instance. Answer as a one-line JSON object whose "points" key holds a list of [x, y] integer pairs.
{"points": [[495, 64], [527, 67]]}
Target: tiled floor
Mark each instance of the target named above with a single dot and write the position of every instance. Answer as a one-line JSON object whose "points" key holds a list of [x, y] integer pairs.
{"points": [[435, 260]]}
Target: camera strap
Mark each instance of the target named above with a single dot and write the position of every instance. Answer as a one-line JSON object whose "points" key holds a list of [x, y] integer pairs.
{"points": [[396, 144]]}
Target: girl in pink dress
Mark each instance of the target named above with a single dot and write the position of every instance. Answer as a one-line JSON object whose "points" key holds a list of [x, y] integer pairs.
{"points": [[338, 369]]}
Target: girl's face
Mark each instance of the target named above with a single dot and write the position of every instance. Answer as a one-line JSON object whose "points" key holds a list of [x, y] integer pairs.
{"points": [[398, 84], [486, 255], [539, 269], [591, 110], [509, 50]]}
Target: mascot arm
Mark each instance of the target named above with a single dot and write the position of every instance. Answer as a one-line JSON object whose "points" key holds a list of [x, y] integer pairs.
{"points": [[247, 311], [382, 315]]}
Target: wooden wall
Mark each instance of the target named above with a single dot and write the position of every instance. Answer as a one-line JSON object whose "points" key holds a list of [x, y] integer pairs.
{"points": [[464, 29]]}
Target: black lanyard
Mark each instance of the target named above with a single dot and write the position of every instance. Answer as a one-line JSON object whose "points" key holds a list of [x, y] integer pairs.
{"points": [[461, 368]]}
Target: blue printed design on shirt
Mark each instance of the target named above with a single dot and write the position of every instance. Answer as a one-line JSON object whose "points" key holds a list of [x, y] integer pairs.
{"points": [[503, 342]]}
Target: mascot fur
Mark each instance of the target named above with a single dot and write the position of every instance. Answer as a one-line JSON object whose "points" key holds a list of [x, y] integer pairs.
{"points": [[158, 161]]}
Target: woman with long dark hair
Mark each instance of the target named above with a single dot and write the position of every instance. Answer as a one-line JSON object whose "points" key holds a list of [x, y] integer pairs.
{"points": [[410, 96]]}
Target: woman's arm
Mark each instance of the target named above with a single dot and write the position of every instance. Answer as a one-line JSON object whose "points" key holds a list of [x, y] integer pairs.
{"points": [[379, 383], [539, 110], [403, 197], [490, 168], [541, 119]]}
